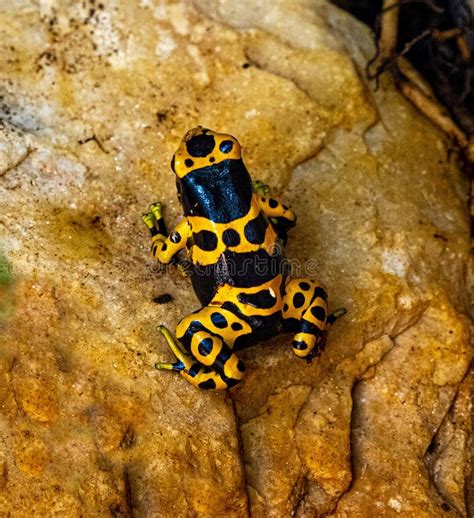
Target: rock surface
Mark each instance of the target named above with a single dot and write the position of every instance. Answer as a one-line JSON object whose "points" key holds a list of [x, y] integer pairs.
{"points": [[93, 100]]}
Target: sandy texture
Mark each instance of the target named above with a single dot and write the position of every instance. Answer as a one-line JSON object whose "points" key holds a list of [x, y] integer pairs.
{"points": [[93, 100]]}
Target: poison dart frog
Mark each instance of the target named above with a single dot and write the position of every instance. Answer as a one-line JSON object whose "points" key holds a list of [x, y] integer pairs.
{"points": [[232, 231]]}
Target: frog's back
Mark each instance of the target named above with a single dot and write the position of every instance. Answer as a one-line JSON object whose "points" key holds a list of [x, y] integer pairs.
{"points": [[245, 271], [232, 245], [241, 253]]}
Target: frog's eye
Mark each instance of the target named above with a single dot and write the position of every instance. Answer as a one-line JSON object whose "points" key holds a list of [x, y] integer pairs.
{"points": [[226, 146]]}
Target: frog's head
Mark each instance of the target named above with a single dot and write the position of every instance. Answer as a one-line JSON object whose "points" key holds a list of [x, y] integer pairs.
{"points": [[212, 180], [202, 147]]}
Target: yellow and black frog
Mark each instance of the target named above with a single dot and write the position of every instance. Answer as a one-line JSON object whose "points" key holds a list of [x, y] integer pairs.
{"points": [[233, 231]]}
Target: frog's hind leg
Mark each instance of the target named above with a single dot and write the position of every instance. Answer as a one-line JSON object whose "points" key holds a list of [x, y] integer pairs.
{"points": [[202, 349], [208, 335], [219, 367], [305, 311], [196, 373]]}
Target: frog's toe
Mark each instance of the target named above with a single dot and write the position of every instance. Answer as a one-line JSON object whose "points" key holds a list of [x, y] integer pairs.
{"points": [[183, 358], [156, 209], [261, 188], [319, 347], [185, 268], [335, 315], [171, 340], [176, 366], [148, 219]]}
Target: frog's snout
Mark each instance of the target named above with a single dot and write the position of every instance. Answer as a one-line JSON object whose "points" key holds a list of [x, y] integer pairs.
{"points": [[198, 130]]}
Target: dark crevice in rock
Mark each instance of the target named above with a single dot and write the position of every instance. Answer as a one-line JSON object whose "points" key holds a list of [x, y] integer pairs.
{"points": [[240, 443], [353, 462], [309, 508], [354, 425], [300, 490], [191, 512], [103, 462], [257, 493], [3, 475], [300, 410], [128, 438], [292, 80], [12, 384], [18, 162], [97, 141], [436, 447], [128, 492], [14, 361], [288, 77], [302, 487], [469, 488], [355, 422]]}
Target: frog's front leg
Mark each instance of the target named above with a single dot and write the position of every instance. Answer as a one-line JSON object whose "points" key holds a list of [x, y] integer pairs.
{"points": [[280, 215], [203, 348], [272, 207], [305, 312], [164, 247]]}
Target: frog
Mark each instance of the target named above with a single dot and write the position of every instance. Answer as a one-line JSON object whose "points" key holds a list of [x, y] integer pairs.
{"points": [[233, 233]]}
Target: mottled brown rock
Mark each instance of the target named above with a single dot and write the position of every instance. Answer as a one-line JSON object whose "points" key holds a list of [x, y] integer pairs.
{"points": [[94, 98]]}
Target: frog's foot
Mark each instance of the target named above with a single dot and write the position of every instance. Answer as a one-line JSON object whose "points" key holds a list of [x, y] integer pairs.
{"points": [[334, 316], [261, 188], [150, 222], [184, 360], [317, 341], [157, 210], [153, 219], [320, 342], [185, 268]]}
